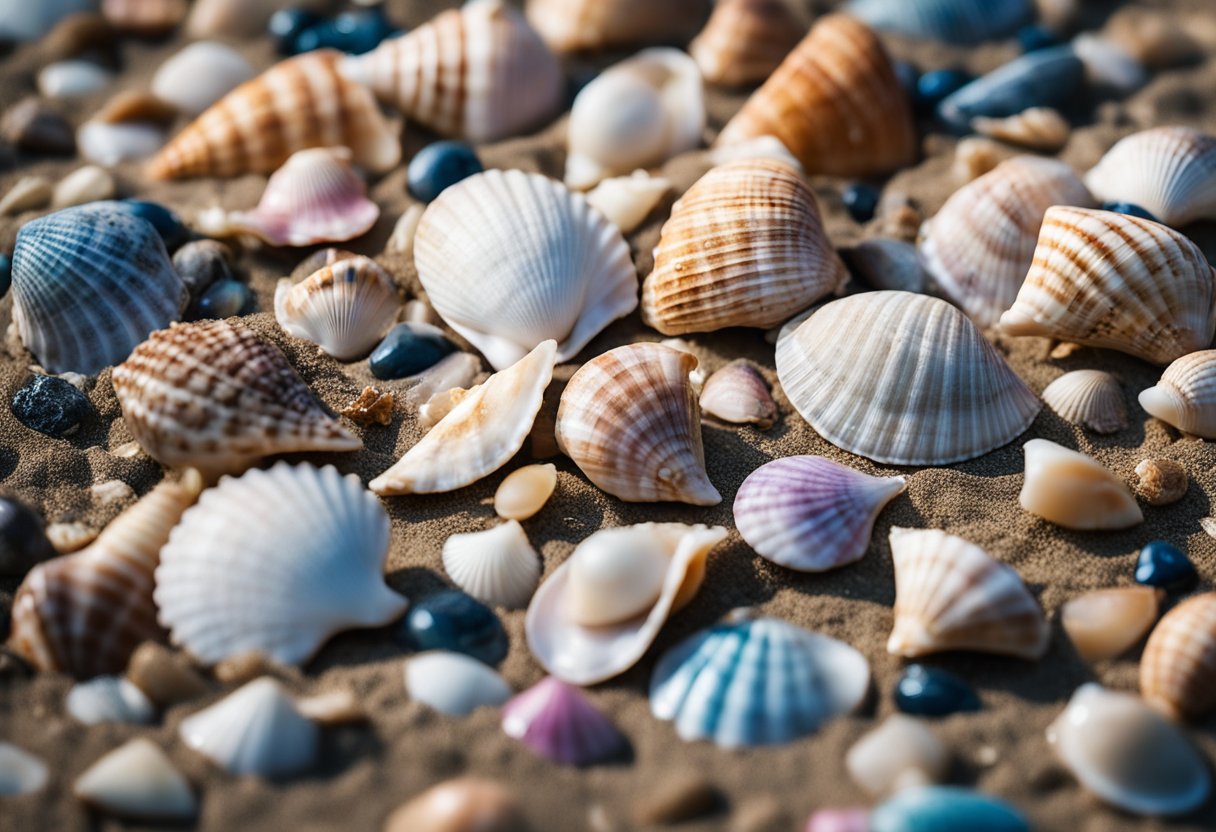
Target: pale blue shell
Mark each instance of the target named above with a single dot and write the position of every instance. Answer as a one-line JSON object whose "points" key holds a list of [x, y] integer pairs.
{"points": [[1043, 78], [946, 809], [952, 21], [89, 284]]}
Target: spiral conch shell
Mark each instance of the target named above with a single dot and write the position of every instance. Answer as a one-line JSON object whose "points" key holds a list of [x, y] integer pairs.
{"points": [[745, 40], [576, 25], [1185, 397], [1168, 171], [1178, 667], [744, 246], [343, 307]]}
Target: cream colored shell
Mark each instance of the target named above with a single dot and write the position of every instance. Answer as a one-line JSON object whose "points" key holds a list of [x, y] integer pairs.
{"points": [[1178, 667], [1090, 398], [1072, 490], [497, 566], [1185, 397], [1168, 171], [577, 25], [344, 307]]}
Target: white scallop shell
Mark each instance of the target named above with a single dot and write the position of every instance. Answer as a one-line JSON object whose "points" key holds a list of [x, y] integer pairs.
{"points": [[497, 566], [344, 308], [1090, 398], [1185, 396], [453, 683], [20, 771], [1168, 171], [109, 699], [899, 753], [627, 200], [1072, 490], [137, 780]]}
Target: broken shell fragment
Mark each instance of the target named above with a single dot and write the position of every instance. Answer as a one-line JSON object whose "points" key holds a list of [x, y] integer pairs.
{"points": [[1071, 490], [1162, 481], [1105, 623], [628, 200]]}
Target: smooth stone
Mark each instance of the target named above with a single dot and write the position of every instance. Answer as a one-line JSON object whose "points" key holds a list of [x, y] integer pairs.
{"points": [[110, 144], [200, 264], [408, 349], [945, 809], [35, 127], [23, 540], [68, 79], [1033, 38], [451, 620], [353, 32], [166, 677], [1166, 566], [6, 274], [50, 405], [87, 184], [288, 24], [1129, 209], [223, 299], [935, 85], [200, 75], [167, 223], [928, 691], [438, 166], [861, 201], [1046, 78]]}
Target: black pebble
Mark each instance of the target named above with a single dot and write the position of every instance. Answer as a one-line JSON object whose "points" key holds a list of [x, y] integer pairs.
{"points": [[23, 541], [50, 405]]}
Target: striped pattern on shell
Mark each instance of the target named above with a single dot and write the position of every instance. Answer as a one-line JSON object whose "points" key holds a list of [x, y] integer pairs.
{"points": [[1178, 666], [1090, 398], [1168, 171], [344, 307], [575, 25], [1185, 396], [745, 40]]}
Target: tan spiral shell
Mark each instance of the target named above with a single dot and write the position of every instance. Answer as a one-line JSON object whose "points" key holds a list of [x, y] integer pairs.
{"points": [[574, 25], [1185, 396], [745, 40], [1178, 667]]}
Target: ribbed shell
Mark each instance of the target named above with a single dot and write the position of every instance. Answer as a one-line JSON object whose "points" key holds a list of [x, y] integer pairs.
{"points": [[89, 283], [576, 25], [1185, 396], [1041, 78], [980, 245], [1168, 171], [951, 595], [903, 379], [1072, 490], [745, 40], [555, 720], [835, 103], [510, 259], [496, 566], [1111, 280], [478, 72], [344, 308], [738, 394], [1089, 398], [953, 21], [1178, 667], [629, 419], [299, 103], [744, 246], [85, 613]]}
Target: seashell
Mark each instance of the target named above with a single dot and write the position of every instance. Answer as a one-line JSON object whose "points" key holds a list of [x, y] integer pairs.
{"points": [[20, 771], [1178, 667], [811, 105], [256, 730], [200, 75], [1103, 279], [29, 193], [1107, 64], [627, 200], [22, 21], [974, 156], [557, 722], [1038, 128], [344, 309], [465, 804], [633, 578], [108, 699], [479, 73], [629, 419], [338, 707], [738, 394], [980, 245], [1105, 623], [139, 781], [453, 372], [951, 595], [1161, 481], [525, 491], [756, 681], [87, 184], [1042, 78], [951, 21], [900, 753], [109, 144], [809, 513], [1071, 490], [299, 103], [479, 435], [636, 114], [963, 402], [215, 396], [745, 40], [239, 18], [562, 270], [1089, 398], [1128, 755], [1185, 396], [89, 284], [85, 613], [1168, 171], [319, 537], [72, 79], [144, 18], [166, 677], [834, 819], [745, 246], [586, 25], [136, 106], [944, 809], [453, 683], [497, 565]]}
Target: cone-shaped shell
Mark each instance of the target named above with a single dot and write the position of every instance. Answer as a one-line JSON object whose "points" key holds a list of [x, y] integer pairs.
{"points": [[276, 561], [299, 103], [629, 419], [1111, 280], [744, 246], [1168, 171], [89, 283], [509, 259], [344, 308], [1178, 667], [555, 720], [478, 73], [1072, 490], [575, 25], [1185, 397], [953, 21], [745, 40], [835, 103], [903, 379], [1092, 399], [1105, 623], [139, 781], [488, 425], [951, 595], [497, 566], [215, 396], [738, 394]]}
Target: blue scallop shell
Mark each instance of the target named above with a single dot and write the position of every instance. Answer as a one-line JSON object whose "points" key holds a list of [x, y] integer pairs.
{"points": [[1044, 78], [953, 21], [89, 284], [946, 809]]}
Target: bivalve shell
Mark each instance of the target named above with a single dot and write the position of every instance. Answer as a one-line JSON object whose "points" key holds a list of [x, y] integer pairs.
{"points": [[1178, 667], [138, 781], [344, 308], [1105, 623], [952, 21], [1092, 399], [1072, 490], [900, 753], [738, 394], [1168, 171], [584, 25], [497, 565], [556, 721], [1185, 397], [453, 683], [745, 40], [108, 699]]}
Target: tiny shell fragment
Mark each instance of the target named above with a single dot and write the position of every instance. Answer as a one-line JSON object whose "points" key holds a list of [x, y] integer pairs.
{"points": [[372, 407], [1162, 481]]}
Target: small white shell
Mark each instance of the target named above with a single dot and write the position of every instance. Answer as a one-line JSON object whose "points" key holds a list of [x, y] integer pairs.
{"points": [[200, 75], [901, 752], [108, 144], [1072, 490], [1089, 398], [497, 566], [344, 308], [627, 200], [1185, 397], [68, 79], [453, 683], [109, 699], [738, 394], [1168, 171], [20, 771], [139, 781], [525, 491]]}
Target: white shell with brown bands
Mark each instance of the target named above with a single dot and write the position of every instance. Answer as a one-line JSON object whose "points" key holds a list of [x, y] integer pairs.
{"points": [[745, 40], [344, 308], [1092, 399], [1178, 667], [1185, 397], [1168, 171]]}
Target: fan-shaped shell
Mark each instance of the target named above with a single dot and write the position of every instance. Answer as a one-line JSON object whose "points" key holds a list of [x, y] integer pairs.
{"points": [[1090, 398], [629, 419], [738, 394], [835, 103], [276, 561], [953, 21], [1185, 397], [555, 720], [574, 25], [1104, 623], [344, 308], [756, 681], [951, 595], [1178, 667], [497, 565], [1111, 280], [745, 40], [1168, 171], [89, 283], [453, 683], [215, 396], [744, 246], [1072, 490], [137, 780], [903, 379], [559, 269]]}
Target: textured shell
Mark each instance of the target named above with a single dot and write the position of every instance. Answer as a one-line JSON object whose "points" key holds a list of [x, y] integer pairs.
{"points": [[901, 752], [559, 269], [344, 308], [744, 246], [1038, 128], [815, 105], [809, 513], [478, 72], [1092, 399], [89, 283], [556, 721], [933, 390], [497, 566], [1185, 397], [1070, 489], [453, 683], [1178, 667], [951, 595], [85, 613], [488, 425], [629, 419], [137, 780], [299, 103], [745, 40], [575, 25], [276, 561], [953, 21], [1042, 78], [1111, 280], [1105, 623], [1168, 171], [738, 394], [980, 245], [757, 681]]}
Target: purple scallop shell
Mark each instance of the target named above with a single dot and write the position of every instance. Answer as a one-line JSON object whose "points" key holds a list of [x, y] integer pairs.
{"points": [[555, 720], [839, 820]]}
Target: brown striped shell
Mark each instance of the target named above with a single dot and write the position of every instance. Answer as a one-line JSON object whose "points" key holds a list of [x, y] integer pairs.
{"points": [[578, 25], [1178, 667], [745, 40], [1185, 397]]}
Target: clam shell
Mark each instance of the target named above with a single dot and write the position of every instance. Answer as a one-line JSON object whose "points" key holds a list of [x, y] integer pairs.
{"points": [[556, 721], [465, 804], [583, 25], [561, 270], [108, 699], [525, 491], [139, 781], [899, 753], [738, 394], [497, 566], [745, 40], [629, 420], [745, 246], [20, 771], [453, 683], [1072, 490], [951, 595], [1105, 623], [319, 539], [1042, 78], [1038, 128], [1178, 667], [1185, 397], [200, 75], [627, 200], [1089, 398], [1103, 279], [952, 21], [1168, 171], [931, 390], [344, 308]]}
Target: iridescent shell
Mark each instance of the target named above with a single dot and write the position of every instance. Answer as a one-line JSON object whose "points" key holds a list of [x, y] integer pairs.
{"points": [[138, 781], [745, 40], [1072, 490], [1105, 623], [1185, 397], [1168, 171], [738, 394], [556, 721], [953, 21], [497, 566], [453, 683], [1090, 398], [344, 308], [576, 25], [900, 753], [1178, 667]]}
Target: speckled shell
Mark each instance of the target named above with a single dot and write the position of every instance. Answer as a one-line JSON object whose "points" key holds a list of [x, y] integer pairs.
{"points": [[744, 246], [932, 392], [745, 40], [89, 283], [497, 566], [953, 21], [739, 394], [1178, 667], [1185, 397], [555, 720], [344, 308], [1072, 490], [1092, 399], [1110, 280], [575, 25], [835, 103], [1168, 171]]}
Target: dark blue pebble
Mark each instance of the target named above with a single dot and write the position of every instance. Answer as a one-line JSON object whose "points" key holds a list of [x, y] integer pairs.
{"points": [[167, 224], [1166, 566], [286, 25], [223, 299], [935, 85], [1034, 38], [353, 32], [6, 274], [50, 405], [23, 540], [409, 348], [1129, 209], [928, 691], [439, 166], [452, 620], [1045, 78], [860, 200]]}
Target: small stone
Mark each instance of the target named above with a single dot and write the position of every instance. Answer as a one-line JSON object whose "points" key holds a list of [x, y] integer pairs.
{"points": [[165, 676], [409, 349], [1208, 524], [50, 405], [167, 223], [69, 79], [1164, 565], [860, 200], [353, 32], [1033, 38], [987, 755], [933, 86], [87, 184], [761, 814], [439, 166], [202, 263], [466, 804], [243, 667], [1129, 209], [136, 105], [223, 299], [338, 707], [127, 450], [111, 144], [23, 540], [35, 127], [286, 26], [928, 691], [974, 156], [200, 75], [452, 620], [1162, 481], [372, 407], [678, 799], [28, 194], [1063, 350], [70, 536], [110, 492]]}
